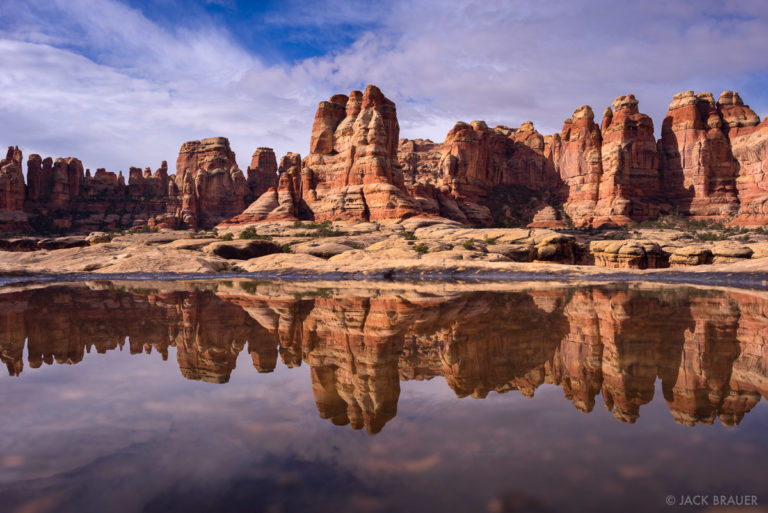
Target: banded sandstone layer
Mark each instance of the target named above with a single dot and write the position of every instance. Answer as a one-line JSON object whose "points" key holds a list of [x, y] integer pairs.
{"points": [[710, 164]]}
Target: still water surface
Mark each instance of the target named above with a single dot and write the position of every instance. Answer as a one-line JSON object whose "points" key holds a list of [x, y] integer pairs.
{"points": [[243, 396]]}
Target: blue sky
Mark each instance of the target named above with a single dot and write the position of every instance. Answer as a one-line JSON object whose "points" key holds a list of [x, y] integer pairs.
{"points": [[279, 32], [125, 83]]}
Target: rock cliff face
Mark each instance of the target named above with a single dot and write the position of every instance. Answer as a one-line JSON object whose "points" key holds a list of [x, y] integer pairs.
{"points": [[482, 175], [629, 185], [698, 168], [710, 164], [749, 145], [710, 352], [212, 186], [281, 203], [352, 171], [12, 217], [595, 176], [60, 196], [262, 173], [580, 164]]}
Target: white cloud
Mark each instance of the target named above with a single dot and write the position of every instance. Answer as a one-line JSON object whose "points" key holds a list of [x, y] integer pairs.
{"points": [[106, 84], [142, 91]]}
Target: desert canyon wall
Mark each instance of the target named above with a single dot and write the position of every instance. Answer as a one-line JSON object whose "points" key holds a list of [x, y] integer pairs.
{"points": [[710, 164]]}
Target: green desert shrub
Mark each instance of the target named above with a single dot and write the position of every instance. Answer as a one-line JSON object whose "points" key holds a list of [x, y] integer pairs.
{"points": [[710, 236], [250, 233]]}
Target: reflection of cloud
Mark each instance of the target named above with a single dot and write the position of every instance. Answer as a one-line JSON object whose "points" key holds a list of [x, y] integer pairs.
{"points": [[12, 460], [40, 505], [71, 394], [117, 88], [407, 465], [175, 406], [258, 428], [634, 471]]}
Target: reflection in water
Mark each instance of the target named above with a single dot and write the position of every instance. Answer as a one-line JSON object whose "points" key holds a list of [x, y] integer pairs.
{"points": [[707, 349]]}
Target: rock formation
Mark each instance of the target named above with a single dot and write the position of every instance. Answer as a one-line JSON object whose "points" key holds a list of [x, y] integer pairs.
{"points": [[709, 164], [749, 145], [12, 216], [352, 171], [212, 186], [283, 203], [479, 171], [698, 168], [629, 185], [580, 164], [262, 173], [61, 196]]}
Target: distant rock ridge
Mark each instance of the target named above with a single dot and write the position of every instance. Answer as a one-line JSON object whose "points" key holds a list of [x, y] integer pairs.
{"points": [[710, 164]]}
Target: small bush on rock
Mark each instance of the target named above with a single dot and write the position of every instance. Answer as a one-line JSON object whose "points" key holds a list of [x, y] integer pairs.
{"points": [[251, 234]]}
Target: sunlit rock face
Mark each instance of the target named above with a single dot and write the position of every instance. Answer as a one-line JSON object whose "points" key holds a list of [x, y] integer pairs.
{"points": [[698, 168], [749, 145], [12, 191], [281, 203], [580, 164], [707, 349], [211, 185], [629, 185], [482, 175], [352, 171], [61, 196], [709, 164], [262, 173]]}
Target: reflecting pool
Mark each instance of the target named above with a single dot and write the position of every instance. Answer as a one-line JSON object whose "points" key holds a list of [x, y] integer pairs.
{"points": [[255, 396]]}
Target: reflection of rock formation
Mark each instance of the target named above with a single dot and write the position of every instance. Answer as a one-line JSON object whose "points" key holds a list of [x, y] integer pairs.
{"points": [[62, 324], [709, 351], [503, 347], [212, 334]]}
